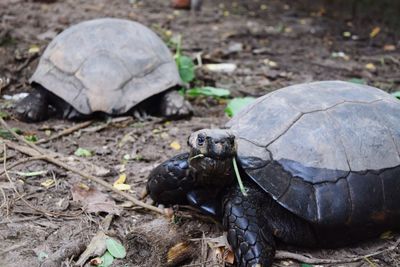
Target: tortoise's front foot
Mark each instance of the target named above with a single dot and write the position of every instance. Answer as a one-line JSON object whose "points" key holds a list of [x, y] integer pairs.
{"points": [[250, 238], [34, 107], [174, 105], [170, 181]]}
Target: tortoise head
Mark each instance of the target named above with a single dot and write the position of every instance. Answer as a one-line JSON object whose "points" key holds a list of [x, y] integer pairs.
{"points": [[218, 144], [211, 153]]}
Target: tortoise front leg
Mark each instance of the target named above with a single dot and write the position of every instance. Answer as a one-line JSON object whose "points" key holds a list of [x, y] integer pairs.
{"points": [[248, 233], [170, 181]]}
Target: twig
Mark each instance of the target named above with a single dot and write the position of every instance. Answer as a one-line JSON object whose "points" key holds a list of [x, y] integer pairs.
{"points": [[31, 218], [12, 248], [108, 123], [27, 62], [67, 131], [48, 213], [21, 162], [311, 260], [35, 151]]}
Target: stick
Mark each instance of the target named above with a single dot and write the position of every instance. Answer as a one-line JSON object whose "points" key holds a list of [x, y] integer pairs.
{"points": [[21, 162], [67, 131], [310, 260], [35, 151]]}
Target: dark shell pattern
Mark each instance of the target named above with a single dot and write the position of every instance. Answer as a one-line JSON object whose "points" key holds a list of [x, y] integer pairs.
{"points": [[107, 65], [327, 151]]}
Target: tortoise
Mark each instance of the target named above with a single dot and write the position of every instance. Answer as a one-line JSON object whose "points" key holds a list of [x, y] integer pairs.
{"points": [[105, 66], [320, 163]]}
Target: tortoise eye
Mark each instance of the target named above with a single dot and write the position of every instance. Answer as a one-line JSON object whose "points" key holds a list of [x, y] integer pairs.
{"points": [[200, 139]]}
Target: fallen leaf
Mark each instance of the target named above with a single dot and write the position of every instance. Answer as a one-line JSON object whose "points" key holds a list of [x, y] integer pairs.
{"points": [[237, 104], [175, 145], [370, 66], [48, 183], [208, 91], [222, 67], [396, 94], [389, 48], [347, 34], [82, 152], [106, 260], [33, 49], [375, 31], [179, 253], [121, 179], [186, 68], [115, 248], [270, 63], [96, 247], [94, 200], [224, 255], [122, 187]]}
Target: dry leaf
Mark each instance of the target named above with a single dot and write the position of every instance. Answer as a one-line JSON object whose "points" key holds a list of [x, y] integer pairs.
{"points": [[94, 200], [122, 187], [121, 179], [370, 66], [33, 49], [389, 48], [48, 183], [175, 145], [375, 31]]}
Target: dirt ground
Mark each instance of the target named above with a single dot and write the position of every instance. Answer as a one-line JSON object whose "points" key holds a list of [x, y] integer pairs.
{"points": [[273, 43]]}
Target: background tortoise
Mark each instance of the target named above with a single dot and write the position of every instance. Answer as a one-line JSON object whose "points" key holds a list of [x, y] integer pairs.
{"points": [[320, 162], [105, 65]]}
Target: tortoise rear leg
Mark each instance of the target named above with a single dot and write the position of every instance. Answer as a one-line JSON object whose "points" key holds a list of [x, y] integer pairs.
{"points": [[170, 182], [254, 223], [173, 105]]}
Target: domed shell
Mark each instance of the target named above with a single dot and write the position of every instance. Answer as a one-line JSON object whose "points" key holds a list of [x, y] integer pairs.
{"points": [[327, 151], [107, 65]]}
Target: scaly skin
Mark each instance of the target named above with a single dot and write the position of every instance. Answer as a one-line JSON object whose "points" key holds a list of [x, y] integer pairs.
{"points": [[254, 222], [248, 233], [170, 182]]}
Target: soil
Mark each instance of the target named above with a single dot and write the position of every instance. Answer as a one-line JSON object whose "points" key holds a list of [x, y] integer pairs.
{"points": [[273, 44]]}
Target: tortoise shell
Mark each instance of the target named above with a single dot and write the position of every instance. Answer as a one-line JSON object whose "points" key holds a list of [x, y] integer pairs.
{"points": [[107, 65], [326, 151]]}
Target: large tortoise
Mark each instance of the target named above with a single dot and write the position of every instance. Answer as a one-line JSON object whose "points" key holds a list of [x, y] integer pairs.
{"points": [[107, 66], [320, 162]]}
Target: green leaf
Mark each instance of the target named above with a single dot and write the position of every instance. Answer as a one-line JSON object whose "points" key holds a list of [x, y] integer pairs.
{"points": [[106, 260], [4, 115], [42, 256], [306, 265], [208, 91], [357, 81], [31, 138], [186, 68], [396, 94], [81, 152], [237, 104], [7, 135], [115, 248]]}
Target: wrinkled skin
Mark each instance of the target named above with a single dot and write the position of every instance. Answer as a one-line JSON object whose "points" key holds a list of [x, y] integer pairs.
{"points": [[37, 106], [204, 178]]}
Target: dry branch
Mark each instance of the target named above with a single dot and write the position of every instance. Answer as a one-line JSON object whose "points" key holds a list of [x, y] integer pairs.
{"points": [[35, 151]]}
